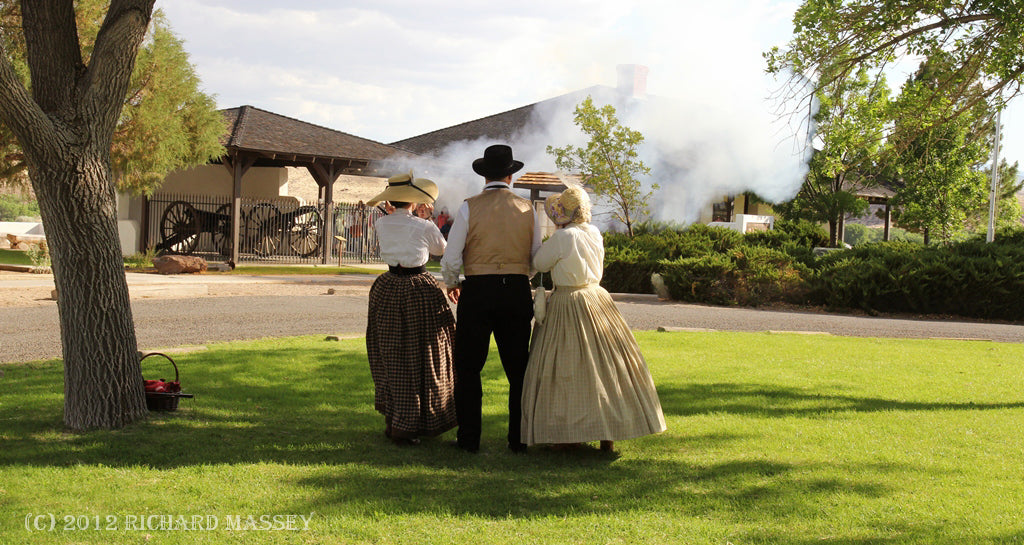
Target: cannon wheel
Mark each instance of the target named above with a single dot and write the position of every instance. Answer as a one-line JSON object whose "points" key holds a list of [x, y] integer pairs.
{"points": [[222, 230], [179, 228], [262, 229], [305, 231]]}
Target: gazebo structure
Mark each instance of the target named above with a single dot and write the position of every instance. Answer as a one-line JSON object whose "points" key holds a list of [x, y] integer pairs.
{"points": [[258, 138], [878, 195], [543, 181]]}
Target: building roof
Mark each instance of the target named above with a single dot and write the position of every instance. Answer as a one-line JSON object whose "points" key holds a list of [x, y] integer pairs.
{"points": [[501, 127], [284, 141]]}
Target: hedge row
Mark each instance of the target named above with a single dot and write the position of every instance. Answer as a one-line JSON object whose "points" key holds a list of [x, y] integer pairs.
{"points": [[720, 266]]}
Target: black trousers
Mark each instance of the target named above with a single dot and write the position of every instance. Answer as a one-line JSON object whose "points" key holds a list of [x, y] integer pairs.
{"points": [[502, 305]]}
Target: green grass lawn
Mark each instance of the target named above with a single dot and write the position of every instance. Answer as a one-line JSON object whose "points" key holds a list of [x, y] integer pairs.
{"points": [[773, 439], [14, 257]]}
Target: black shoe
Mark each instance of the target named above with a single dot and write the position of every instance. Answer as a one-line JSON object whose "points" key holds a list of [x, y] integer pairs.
{"points": [[517, 448], [465, 448]]}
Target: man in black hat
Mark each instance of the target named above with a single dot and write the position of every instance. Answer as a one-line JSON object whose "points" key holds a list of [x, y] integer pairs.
{"points": [[493, 238]]}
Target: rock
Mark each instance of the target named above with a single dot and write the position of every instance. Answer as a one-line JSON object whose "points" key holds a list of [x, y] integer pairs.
{"points": [[331, 291], [22, 246], [177, 264], [28, 239], [333, 338], [5, 244]]}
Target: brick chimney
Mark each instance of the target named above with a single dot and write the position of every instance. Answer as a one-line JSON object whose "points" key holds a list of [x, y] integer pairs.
{"points": [[632, 80]]}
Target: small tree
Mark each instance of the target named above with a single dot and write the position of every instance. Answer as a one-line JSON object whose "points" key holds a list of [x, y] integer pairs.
{"points": [[850, 121], [609, 163], [939, 165]]}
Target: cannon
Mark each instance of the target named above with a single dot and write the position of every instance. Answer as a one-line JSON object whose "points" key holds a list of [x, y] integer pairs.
{"points": [[181, 225], [267, 230]]}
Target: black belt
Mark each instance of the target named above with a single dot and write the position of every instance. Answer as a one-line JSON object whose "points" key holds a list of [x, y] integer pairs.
{"points": [[497, 279], [406, 271]]}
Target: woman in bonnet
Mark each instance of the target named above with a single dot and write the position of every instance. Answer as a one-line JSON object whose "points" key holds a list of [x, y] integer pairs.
{"points": [[586, 379], [410, 327]]}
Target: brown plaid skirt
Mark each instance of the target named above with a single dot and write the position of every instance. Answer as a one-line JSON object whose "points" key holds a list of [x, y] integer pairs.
{"points": [[409, 337]]}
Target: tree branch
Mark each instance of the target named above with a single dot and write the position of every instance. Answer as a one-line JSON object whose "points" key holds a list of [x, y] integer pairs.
{"points": [[945, 22], [20, 113], [52, 51], [106, 81]]}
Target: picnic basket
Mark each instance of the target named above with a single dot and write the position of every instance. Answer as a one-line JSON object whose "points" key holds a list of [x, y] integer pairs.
{"points": [[163, 395]]}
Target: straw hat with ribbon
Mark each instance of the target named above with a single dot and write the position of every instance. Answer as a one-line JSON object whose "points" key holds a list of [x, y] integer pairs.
{"points": [[406, 188], [569, 206]]}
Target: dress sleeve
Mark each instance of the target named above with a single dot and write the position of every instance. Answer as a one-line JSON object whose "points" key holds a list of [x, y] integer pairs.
{"points": [[436, 243], [550, 252]]}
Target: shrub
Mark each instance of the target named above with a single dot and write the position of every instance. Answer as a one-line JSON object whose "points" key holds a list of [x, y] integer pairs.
{"points": [[968, 279], [704, 279], [628, 270], [12, 207], [765, 275]]}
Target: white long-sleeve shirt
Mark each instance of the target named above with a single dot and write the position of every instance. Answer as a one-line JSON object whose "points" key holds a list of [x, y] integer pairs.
{"points": [[451, 263], [574, 255], [406, 240]]}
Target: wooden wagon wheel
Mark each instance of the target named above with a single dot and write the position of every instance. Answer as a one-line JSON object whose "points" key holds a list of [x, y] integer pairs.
{"points": [[305, 231], [262, 229], [179, 228], [222, 230]]}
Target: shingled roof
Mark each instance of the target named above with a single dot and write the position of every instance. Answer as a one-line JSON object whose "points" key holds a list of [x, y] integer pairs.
{"points": [[284, 141], [501, 127]]}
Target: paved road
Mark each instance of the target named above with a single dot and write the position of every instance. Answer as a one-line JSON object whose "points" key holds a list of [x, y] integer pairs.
{"points": [[31, 333]]}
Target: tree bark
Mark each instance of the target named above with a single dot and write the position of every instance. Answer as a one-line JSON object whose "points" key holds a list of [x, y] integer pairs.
{"points": [[102, 379], [65, 128]]}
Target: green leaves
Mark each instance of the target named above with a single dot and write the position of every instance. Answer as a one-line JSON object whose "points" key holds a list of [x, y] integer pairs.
{"points": [[166, 123], [609, 164], [834, 38]]}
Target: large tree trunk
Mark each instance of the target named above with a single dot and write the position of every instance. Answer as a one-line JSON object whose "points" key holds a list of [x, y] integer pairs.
{"points": [[65, 128], [102, 380]]}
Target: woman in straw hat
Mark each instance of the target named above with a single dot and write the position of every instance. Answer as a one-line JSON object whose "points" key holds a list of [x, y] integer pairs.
{"points": [[586, 379], [410, 328]]}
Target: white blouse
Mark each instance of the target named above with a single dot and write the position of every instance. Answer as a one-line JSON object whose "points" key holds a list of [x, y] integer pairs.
{"points": [[406, 240], [574, 255]]}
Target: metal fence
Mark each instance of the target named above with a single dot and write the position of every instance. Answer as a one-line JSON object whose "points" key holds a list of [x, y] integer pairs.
{"points": [[272, 230]]}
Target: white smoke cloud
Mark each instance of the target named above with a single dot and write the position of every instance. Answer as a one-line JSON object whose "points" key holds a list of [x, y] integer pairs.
{"points": [[710, 125]]}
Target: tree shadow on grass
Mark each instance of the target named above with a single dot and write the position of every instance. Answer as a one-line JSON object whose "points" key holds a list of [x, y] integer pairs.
{"points": [[313, 406], [778, 401], [297, 405], [542, 485]]}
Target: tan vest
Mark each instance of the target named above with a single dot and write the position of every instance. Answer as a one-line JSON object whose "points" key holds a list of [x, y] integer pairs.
{"points": [[499, 235]]}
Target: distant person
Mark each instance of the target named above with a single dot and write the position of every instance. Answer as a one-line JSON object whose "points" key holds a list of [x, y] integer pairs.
{"points": [[493, 239], [410, 327], [442, 218], [447, 227], [586, 379], [424, 211]]}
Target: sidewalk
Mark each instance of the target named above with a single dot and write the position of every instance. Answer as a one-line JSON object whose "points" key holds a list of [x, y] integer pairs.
{"points": [[15, 278], [19, 282]]}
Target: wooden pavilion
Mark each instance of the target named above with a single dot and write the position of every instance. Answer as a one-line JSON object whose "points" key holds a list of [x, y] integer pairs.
{"points": [[258, 138]]}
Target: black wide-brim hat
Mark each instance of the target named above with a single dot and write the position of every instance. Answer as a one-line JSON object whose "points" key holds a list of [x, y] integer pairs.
{"points": [[496, 163]]}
